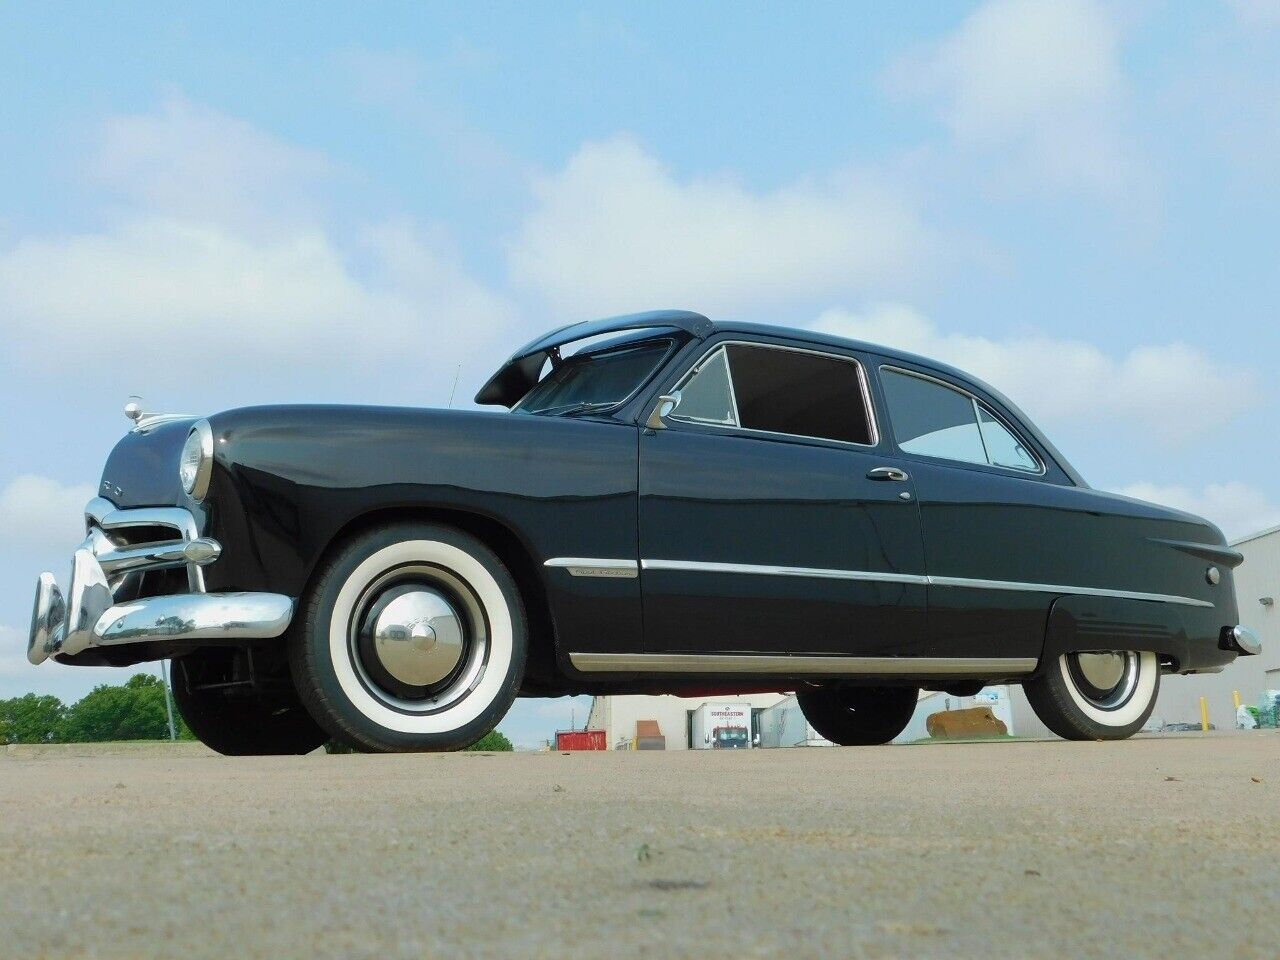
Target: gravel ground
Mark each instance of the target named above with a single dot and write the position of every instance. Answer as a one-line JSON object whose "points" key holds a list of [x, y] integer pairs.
{"points": [[1162, 847]]}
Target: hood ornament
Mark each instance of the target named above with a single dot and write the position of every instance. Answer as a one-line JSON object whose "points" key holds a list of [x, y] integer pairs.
{"points": [[143, 421]]}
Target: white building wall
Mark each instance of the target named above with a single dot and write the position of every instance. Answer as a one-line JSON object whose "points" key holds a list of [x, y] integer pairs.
{"points": [[1257, 577], [617, 715]]}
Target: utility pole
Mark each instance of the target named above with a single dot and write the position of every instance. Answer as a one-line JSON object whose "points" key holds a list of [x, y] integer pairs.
{"points": [[168, 698]]}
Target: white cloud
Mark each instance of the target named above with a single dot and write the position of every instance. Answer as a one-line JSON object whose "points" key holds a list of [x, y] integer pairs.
{"points": [[159, 286], [1039, 81], [202, 258], [616, 230], [42, 515], [1171, 390], [1237, 508], [187, 161]]}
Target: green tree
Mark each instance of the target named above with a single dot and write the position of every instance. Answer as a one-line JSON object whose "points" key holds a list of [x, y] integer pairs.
{"points": [[493, 741], [30, 719], [135, 711]]}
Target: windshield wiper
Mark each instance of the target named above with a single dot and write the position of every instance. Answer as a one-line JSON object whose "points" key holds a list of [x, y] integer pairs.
{"points": [[580, 406]]}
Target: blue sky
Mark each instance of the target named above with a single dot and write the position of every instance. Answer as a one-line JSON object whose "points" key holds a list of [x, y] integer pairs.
{"points": [[219, 205]]}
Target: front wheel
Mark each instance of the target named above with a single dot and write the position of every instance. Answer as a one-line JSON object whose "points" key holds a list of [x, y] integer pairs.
{"points": [[859, 716], [237, 716], [412, 637], [1096, 695]]}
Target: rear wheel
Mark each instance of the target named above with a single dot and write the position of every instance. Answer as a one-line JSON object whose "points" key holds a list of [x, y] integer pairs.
{"points": [[413, 637], [234, 716], [1097, 694], [859, 716]]}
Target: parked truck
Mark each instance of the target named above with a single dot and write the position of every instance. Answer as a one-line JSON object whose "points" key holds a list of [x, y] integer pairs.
{"points": [[721, 726], [785, 725]]}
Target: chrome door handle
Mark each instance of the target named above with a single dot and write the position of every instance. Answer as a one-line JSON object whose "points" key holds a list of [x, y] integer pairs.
{"points": [[888, 473]]}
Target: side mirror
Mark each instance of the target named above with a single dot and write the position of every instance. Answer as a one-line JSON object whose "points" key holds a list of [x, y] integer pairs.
{"points": [[661, 410]]}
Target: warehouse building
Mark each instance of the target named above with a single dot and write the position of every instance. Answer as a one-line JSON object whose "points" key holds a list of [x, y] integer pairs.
{"points": [[666, 722]]}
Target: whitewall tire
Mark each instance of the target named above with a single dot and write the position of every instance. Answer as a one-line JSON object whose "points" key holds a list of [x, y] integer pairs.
{"points": [[413, 637], [1096, 695]]}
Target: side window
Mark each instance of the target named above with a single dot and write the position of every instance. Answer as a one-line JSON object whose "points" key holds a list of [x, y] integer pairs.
{"points": [[1003, 448], [804, 394], [935, 420], [706, 396], [778, 391]]}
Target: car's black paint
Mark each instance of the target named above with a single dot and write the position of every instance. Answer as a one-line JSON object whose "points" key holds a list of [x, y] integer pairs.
{"points": [[290, 482], [718, 496]]}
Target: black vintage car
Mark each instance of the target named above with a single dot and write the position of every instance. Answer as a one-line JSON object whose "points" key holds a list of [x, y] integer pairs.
{"points": [[669, 505]]}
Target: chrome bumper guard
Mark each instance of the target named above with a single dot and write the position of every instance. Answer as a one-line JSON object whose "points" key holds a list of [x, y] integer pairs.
{"points": [[102, 565]]}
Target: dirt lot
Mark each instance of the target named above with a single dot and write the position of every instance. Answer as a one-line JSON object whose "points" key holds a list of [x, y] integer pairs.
{"points": [[1163, 847]]}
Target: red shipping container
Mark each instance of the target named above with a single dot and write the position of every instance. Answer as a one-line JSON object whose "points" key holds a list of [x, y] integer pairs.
{"points": [[580, 740]]}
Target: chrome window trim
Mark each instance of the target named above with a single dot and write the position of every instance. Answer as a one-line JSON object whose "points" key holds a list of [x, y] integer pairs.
{"points": [[693, 372], [872, 420], [700, 566], [787, 664], [1017, 434]]}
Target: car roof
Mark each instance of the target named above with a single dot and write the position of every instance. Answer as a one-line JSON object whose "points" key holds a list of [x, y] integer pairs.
{"points": [[521, 371]]}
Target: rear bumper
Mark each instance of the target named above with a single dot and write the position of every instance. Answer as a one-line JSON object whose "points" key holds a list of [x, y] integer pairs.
{"points": [[88, 615]]}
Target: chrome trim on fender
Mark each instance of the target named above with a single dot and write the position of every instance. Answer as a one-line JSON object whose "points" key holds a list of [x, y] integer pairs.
{"points": [[973, 584], [768, 570], [816, 664], [874, 576], [595, 567]]}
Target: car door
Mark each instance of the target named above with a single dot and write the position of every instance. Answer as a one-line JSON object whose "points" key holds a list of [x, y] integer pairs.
{"points": [[993, 526], [770, 518]]}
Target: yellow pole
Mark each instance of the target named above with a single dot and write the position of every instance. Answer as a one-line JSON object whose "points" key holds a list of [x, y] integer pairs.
{"points": [[1235, 698], [1204, 714]]}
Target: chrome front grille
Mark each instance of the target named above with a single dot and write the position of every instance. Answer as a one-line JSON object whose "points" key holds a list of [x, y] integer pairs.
{"points": [[121, 542], [138, 579]]}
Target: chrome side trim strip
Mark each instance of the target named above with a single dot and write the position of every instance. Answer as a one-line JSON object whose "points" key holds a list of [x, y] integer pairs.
{"points": [[774, 571], [918, 579], [799, 664], [1056, 588], [596, 567]]}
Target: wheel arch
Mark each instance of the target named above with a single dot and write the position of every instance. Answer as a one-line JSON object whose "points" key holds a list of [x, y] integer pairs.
{"points": [[502, 539], [1078, 622]]}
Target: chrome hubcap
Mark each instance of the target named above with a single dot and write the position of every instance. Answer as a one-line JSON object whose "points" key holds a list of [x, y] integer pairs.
{"points": [[1102, 670], [418, 636], [1105, 678]]}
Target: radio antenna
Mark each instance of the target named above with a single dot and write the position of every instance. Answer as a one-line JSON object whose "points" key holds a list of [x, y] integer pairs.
{"points": [[457, 373]]}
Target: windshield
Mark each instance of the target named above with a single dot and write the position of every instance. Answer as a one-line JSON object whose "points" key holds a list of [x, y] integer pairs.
{"points": [[594, 381]]}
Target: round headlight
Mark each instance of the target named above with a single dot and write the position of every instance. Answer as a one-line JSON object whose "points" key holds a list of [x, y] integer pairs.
{"points": [[195, 465]]}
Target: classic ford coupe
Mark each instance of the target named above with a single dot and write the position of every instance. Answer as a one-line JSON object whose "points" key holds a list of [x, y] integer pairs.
{"points": [[667, 505]]}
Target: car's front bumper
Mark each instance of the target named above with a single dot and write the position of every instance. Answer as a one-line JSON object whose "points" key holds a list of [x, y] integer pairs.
{"points": [[101, 608]]}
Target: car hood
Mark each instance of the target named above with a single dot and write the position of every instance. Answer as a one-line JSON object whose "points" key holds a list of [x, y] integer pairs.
{"points": [[142, 469]]}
